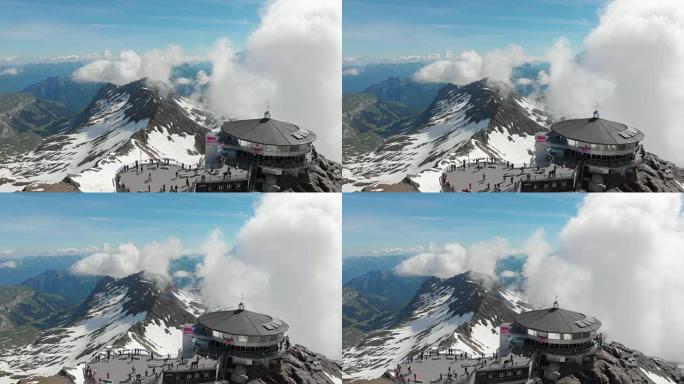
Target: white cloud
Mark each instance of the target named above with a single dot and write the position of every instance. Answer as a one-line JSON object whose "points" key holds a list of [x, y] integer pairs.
{"points": [[287, 262], [619, 259], [224, 278], [74, 250], [524, 81], [292, 62], [12, 71], [398, 250], [453, 259], [183, 81], [508, 274], [10, 264], [129, 66], [233, 89], [182, 274], [128, 259], [571, 88], [469, 66], [7, 252], [418, 58], [354, 71], [632, 64], [9, 59]]}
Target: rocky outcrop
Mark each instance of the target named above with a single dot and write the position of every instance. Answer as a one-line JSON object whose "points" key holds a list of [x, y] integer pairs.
{"points": [[655, 175], [617, 364], [302, 366], [406, 185], [322, 176]]}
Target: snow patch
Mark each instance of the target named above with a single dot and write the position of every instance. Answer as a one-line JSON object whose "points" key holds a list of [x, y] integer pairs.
{"points": [[656, 378]]}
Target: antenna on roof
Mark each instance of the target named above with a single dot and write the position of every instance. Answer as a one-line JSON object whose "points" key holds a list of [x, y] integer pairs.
{"points": [[267, 114], [596, 111], [555, 303], [241, 306]]}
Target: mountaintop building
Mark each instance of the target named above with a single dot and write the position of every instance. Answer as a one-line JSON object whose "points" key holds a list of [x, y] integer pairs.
{"points": [[604, 153], [233, 346], [271, 148], [551, 337], [244, 336]]}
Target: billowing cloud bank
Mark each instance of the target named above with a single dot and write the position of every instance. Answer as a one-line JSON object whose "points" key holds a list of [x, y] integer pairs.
{"points": [[469, 66], [287, 262], [129, 66], [620, 260], [633, 66], [127, 259], [453, 258], [291, 62]]}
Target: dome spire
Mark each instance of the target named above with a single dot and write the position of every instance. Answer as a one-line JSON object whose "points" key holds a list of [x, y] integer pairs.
{"points": [[596, 111], [267, 114]]}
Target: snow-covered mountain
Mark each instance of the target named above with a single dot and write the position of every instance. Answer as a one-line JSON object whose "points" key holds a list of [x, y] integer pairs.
{"points": [[478, 120], [461, 312], [132, 312], [136, 121]]}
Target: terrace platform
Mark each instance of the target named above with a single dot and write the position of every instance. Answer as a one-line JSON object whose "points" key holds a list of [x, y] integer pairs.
{"points": [[499, 176], [429, 369], [166, 177], [140, 368]]}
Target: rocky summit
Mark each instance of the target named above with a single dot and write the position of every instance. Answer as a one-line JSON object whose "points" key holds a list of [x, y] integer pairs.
{"points": [[618, 364]]}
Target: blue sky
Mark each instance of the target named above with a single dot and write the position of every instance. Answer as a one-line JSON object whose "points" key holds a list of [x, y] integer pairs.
{"points": [[46, 28], [34, 224], [373, 222], [377, 30]]}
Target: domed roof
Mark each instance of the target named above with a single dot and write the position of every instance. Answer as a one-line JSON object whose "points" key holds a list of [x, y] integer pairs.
{"points": [[557, 320], [243, 322], [268, 131], [597, 131]]}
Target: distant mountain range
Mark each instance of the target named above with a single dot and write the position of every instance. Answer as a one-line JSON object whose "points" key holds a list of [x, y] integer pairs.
{"points": [[71, 288], [356, 78], [17, 77], [29, 266], [23, 75], [74, 96], [355, 266]]}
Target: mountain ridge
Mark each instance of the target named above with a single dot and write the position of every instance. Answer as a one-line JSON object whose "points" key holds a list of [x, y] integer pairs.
{"points": [[476, 120]]}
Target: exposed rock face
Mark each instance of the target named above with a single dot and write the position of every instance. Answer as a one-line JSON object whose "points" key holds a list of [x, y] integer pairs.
{"points": [[617, 364], [323, 176], [406, 185], [302, 366], [655, 175]]}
